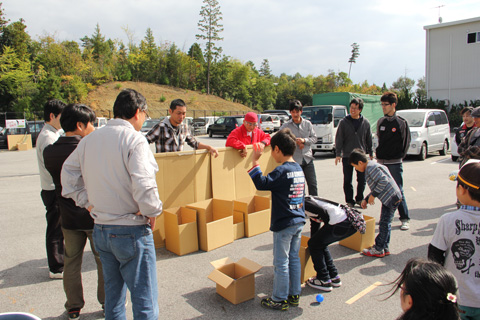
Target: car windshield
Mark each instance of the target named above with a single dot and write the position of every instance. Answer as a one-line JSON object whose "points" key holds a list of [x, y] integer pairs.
{"points": [[414, 119], [239, 121], [150, 123], [317, 115]]}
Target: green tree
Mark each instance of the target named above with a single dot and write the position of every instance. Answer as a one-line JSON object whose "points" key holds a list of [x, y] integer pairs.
{"points": [[354, 56], [265, 70], [210, 28], [14, 36], [421, 92]]}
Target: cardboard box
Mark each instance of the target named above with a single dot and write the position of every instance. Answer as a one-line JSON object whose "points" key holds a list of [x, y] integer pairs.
{"points": [[13, 140], [181, 235], [257, 214], [22, 146], [235, 280], [215, 223], [360, 241], [306, 262], [238, 225]]}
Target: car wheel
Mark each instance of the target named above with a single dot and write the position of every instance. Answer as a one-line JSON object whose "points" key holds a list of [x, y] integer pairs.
{"points": [[454, 158], [444, 148], [210, 133], [423, 152]]}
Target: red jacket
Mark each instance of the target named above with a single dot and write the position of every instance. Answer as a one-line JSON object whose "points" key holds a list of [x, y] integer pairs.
{"points": [[238, 138]]}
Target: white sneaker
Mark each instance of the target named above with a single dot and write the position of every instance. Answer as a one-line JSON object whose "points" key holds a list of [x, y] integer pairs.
{"points": [[405, 225], [58, 275]]}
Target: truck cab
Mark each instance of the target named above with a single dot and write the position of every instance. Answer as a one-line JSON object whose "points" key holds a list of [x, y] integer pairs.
{"points": [[325, 119]]}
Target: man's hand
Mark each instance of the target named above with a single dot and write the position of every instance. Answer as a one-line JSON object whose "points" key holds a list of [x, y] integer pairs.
{"points": [[243, 152], [213, 151], [259, 145], [363, 204], [152, 222], [371, 200], [337, 160], [300, 143], [90, 208], [257, 153]]}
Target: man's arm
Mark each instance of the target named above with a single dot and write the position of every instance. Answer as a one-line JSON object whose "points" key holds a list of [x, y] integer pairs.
{"points": [[154, 134], [213, 151], [72, 182], [406, 138], [234, 141], [339, 141]]}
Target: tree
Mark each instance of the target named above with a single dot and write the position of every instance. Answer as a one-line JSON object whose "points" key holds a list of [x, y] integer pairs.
{"points": [[421, 92], [265, 70], [210, 28], [355, 54]]}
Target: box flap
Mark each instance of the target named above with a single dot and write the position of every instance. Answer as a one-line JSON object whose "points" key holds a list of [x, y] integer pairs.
{"points": [[249, 264], [220, 278], [221, 262]]}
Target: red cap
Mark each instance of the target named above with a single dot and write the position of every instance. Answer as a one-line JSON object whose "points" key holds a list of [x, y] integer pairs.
{"points": [[251, 117]]}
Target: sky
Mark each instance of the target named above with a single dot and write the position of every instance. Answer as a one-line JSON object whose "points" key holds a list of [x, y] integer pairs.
{"points": [[310, 37]]}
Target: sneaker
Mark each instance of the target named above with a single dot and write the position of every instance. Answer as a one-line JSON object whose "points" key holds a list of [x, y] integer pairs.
{"points": [[74, 313], [294, 300], [405, 225], [275, 305], [58, 275], [359, 203], [386, 251], [373, 252], [336, 282], [319, 284]]}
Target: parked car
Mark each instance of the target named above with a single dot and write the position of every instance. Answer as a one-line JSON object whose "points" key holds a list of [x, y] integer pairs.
{"points": [[429, 129], [283, 114], [100, 122], [199, 126], [265, 122], [149, 124], [276, 122], [224, 125], [33, 128]]}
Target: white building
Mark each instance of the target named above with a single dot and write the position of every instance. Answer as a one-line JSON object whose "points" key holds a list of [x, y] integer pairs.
{"points": [[453, 61]]}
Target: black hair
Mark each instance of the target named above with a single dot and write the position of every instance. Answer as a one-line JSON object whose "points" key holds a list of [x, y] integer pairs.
{"points": [[356, 156], [295, 105], [389, 97], [52, 106], [465, 110], [285, 141], [357, 101], [433, 290], [469, 178], [74, 113], [177, 103], [127, 103]]}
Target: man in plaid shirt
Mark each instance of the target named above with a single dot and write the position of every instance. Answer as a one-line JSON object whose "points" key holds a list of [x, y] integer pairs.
{"points": [[170, 134]]}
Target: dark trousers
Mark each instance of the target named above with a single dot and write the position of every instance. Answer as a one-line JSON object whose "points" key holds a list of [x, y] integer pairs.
{"points": [[318, 246], [309, 172], [396, 170], [54, 235], [347, 182]]}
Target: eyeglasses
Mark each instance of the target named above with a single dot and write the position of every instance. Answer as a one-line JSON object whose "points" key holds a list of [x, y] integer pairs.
{"points": [[147, 117], [385, 104], [251, 123]]}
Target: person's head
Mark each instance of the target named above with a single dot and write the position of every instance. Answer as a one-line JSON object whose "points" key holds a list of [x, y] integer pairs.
{"points": [[52, 112], [296, 109], [358, 159], [389, 103], [467, 118], [476, 116], [468, 183], [78, 119], [427, 291], [130, 105], [250, 121], [178, 112], [356, 107], [283, 144]]}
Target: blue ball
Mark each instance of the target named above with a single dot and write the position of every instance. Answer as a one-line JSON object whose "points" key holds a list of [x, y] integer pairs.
{"points": [[319, 298]]}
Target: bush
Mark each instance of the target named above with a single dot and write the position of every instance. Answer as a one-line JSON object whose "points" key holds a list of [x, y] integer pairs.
{"points": [[162, 98], [118, 86]]}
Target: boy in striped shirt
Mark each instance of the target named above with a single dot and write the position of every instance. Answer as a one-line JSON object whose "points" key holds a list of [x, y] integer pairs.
{"points": [[383, 187]]}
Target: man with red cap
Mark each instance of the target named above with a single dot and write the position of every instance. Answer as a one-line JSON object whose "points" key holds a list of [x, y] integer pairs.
{"points": [[248, 134]]}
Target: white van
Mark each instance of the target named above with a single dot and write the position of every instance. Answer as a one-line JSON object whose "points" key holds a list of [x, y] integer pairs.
{"points": [[429, 129], [100, 122]]}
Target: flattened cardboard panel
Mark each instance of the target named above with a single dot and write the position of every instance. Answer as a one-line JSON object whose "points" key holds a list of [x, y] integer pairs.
{"points": [[359, 241], [178, 174], [306, 263], [243, 182], [223, 173], [14, 139], [203, 177]]}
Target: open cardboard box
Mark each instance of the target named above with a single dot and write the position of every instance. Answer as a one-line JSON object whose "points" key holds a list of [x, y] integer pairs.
{"points": [[359, 241], [306, 262], [256, 211], [215, 223], [235, 280], [238, 225], [181, 235]]}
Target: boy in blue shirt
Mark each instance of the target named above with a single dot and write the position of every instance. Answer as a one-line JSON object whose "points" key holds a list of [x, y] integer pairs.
{"points": [[383, 187], [287, 184]]}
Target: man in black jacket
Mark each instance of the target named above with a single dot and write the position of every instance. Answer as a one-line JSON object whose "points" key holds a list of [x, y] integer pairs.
{"points": [[77, 224], [393, 143], [353, 132]]}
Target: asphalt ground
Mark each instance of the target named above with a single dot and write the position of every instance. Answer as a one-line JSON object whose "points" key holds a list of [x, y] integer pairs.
{"points": [[185, 292]]}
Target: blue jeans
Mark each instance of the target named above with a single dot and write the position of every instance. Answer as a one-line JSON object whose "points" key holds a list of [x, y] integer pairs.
{"points": [[347, 182], [129, 261], [396, 170], [310, 177], [385, 226], [318, 246], [286, 262]]}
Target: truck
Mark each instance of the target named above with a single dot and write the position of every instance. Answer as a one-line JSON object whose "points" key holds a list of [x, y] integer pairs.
{"points": [[329, 108]]}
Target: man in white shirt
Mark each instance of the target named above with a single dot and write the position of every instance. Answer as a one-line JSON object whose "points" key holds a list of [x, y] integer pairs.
{"points": [[54, 236]]}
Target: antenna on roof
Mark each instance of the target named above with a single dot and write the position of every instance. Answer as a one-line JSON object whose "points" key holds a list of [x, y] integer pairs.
{"points": [[439, 17]]}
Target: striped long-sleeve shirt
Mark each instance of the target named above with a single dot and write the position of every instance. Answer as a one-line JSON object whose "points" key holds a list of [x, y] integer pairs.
{"points": [[381, 184]]}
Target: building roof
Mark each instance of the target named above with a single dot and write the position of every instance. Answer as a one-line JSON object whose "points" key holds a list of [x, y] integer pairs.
{"points": [[453, 23]]}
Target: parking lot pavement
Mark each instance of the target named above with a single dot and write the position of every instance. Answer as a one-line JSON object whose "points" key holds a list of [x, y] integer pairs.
{"points": [[184, 290]]}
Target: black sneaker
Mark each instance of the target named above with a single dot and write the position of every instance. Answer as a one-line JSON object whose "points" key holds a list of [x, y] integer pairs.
{"points": [[319, 284], [74, 313], [336, 282], [294, 300], [275, 305]]}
